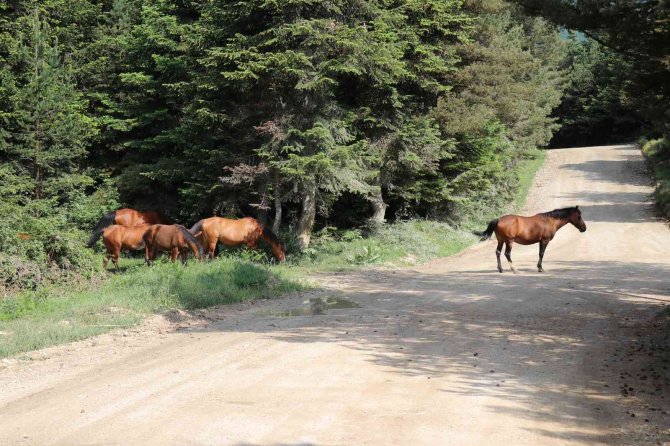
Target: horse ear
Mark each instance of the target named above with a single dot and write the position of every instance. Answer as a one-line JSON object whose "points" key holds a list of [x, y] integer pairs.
{"points": [[577, 207]]}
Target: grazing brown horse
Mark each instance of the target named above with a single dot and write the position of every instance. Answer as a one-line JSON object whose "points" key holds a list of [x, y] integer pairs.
{"points": [[245, 231], [529, 230], [172, 238], [117, 237], [126, 217]]}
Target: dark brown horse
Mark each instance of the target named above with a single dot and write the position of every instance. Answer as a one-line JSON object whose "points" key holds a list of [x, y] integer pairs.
{"points": [[245, 231], [126, 217], [539, 228], [174, 239], [117, 237]]}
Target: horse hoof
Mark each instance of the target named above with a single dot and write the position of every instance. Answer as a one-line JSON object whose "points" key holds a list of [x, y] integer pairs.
{"points": [[540, 270], [515, 271], [500, 271]]}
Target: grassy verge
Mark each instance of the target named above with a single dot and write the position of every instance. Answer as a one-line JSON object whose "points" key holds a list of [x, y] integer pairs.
{"points": [[50, 316], [527, 170], [30, 321], [657, 153], [402, 243]]}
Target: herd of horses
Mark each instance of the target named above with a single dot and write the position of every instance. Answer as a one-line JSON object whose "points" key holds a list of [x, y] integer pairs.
{"points": [[133, 230], [129, 229]]}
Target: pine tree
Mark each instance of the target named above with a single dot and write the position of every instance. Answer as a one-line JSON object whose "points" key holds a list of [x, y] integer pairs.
{"points": [[46, 130], [280, 72], [510, 81], [334, 96]]}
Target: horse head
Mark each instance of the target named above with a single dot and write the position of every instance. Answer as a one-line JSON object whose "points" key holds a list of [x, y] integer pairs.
{"points": [[278, 252], [577, 220]]}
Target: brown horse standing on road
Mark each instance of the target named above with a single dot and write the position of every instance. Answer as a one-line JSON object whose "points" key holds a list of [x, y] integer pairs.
{"points": [[172, 238], [126, 217], [529, 230], [245, 231], [117, 237]]}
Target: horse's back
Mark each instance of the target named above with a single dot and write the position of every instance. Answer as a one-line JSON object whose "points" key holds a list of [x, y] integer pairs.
{"points": [[169, 235], [134, 235], [128, 217], [123, 236], [243, 230], [132, 217], [230, 231], [508, 224], [150, 232]]}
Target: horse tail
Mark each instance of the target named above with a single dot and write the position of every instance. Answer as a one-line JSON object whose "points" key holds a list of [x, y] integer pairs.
{"points": [[192, 241], [197, 227], [105, 220], [489, 230]]}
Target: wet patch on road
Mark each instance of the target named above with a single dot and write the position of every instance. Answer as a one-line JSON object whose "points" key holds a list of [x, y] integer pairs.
{"points": [[314, 306]]}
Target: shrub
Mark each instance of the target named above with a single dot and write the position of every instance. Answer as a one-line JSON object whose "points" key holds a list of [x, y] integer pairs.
{"points": [[657, 153]]}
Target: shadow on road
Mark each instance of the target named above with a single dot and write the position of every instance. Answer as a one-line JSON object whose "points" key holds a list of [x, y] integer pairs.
{"points": [[432, 325]]}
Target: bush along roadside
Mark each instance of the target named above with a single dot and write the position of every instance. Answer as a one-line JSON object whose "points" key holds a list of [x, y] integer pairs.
{"points": [[657, 154]]}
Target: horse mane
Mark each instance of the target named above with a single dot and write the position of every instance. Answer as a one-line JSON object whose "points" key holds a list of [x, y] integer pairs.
{"points": [[560, 214], [189, 237]]}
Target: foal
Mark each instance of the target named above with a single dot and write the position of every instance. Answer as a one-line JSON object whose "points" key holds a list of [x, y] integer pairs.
{"points": [[529, 230]]}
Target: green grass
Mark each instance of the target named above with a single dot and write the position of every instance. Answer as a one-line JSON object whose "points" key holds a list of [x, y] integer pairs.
{"points": [[657, 153], [30, 321], [527, 170], [403, 243], [33, 320]]}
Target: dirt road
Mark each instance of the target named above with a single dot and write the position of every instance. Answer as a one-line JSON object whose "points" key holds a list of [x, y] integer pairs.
{"points": [[449, 353]]}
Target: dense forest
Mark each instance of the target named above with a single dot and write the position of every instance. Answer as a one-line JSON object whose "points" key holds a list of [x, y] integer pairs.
{"points": [[302, 113]]}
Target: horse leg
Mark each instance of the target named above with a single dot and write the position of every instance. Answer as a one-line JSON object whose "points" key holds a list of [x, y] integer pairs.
{"points": [[508, 254], [543, 246], [211, 250], [498, 251], [115, 258], [105, 260], [174, 254], [154, 251], [147, 253], [184, 256]]}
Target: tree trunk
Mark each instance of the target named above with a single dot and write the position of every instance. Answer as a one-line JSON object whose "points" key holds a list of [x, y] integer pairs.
{"points": [[262, 212], [306, 222], [38, 161], [278, 209], [378, 208]]}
